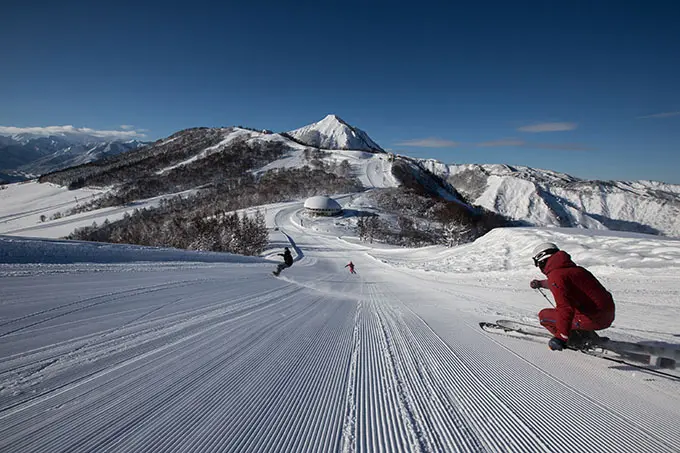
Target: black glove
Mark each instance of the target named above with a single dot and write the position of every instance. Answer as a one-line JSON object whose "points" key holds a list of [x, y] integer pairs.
{"points": [[535, 284], [557, 344]]}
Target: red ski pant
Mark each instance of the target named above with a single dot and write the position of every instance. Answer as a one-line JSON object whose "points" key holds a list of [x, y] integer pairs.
{"points": [[548, 319]]}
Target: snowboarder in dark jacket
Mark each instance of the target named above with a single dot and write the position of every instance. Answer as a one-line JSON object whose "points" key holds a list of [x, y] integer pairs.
{"points": [[351, 267], [583, 305], [287, 261]]}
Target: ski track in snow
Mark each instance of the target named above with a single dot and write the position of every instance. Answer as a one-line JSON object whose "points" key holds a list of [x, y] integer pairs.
{"points": [[217, 358]]}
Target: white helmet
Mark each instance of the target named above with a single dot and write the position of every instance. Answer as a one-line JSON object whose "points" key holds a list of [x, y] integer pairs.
{"points": [[543, 251]]}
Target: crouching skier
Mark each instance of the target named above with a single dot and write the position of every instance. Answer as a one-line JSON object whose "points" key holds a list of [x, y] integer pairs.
{"points": [[351, 267], [287, 261], [583, 305]]}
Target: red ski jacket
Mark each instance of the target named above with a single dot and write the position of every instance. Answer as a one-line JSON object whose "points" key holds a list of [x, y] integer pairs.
{"points": [[575, 290]]}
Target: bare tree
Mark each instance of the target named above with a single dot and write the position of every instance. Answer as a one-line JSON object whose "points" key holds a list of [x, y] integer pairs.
{"points": [[456, 234]]}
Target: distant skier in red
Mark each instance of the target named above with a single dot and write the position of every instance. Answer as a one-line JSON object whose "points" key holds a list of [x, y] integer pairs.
{"points": [[583, 305], [351, 267]]}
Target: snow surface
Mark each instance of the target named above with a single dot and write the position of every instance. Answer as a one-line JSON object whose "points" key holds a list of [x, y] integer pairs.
{"points": [[104, 350], [372, 170], [22, 205]]}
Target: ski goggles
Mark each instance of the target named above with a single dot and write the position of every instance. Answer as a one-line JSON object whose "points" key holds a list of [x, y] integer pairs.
{"points": [[543, 256]]}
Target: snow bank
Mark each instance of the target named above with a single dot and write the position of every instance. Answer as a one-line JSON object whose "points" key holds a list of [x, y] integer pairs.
{"points": [[505, 249]]}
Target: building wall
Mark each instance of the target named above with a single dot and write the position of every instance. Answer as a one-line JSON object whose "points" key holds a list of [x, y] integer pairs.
{"points": [[324, 212]]}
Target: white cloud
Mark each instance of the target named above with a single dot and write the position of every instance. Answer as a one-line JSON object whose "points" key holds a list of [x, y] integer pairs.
{"points": [[502, 142], [661, 115], [127, 127], [64, 130], [548, 127], [429, 143]]}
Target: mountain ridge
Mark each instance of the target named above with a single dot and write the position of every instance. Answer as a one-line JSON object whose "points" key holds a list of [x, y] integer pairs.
{"points": [[549, 198]]}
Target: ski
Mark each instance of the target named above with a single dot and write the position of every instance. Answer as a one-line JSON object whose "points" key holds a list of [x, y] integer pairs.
{"points": [[650, 354], [514, 329]]}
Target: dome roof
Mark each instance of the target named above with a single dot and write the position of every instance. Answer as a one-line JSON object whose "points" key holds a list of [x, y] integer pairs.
{"points": [[322, 202]]}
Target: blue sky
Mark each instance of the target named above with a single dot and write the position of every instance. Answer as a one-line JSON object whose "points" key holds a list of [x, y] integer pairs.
{"points": [[585, 87]]}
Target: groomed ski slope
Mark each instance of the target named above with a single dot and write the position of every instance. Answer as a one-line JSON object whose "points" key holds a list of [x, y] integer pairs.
{"points": [[189, 356]]}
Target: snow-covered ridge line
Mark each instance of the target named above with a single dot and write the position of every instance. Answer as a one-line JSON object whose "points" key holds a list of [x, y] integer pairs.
{"points": [[238, 133], [228, 138], [548, 198]]}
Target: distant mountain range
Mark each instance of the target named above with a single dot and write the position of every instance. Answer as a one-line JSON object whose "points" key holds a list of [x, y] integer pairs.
{"points": [[23, 156]]}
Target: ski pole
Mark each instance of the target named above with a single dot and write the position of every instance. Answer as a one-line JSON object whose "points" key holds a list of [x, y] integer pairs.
{"points": [[546, 297]]}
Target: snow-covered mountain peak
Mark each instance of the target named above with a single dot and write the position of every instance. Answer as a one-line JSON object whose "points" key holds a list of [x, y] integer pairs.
{"points": [[334, 133], [332, 118], [331, 123]]}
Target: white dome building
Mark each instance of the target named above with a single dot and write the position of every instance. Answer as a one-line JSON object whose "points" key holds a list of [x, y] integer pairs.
{"points": [[322, 205]]}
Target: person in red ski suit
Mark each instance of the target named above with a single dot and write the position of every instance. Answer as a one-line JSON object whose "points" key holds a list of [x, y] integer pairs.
{"points": [[351, 267], [583, 305]]}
